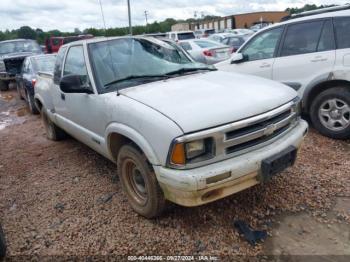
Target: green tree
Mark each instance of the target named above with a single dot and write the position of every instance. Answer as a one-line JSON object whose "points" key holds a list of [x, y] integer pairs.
{"points": [[26, 32]]}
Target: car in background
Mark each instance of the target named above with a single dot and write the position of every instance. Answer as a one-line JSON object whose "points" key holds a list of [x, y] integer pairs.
{"points": [[180, 35], [12, 55], [311, 54], [54, 43], [259, 26], [206, 51], [240, 31], [156, 35], [203, 33], [232, 40], [28, 76]]}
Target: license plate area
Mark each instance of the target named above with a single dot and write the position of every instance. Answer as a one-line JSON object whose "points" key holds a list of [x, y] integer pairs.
{"points": [[275, 164]]}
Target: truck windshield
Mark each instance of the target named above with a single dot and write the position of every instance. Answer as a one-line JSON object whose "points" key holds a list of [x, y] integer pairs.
{"points": [[126, 62], [19, 47]]}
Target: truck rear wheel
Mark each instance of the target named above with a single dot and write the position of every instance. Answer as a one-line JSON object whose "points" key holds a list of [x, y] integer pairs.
{"points": [[31, 104], [4, 86], [140, 183], [330, 113], [53, 132]]}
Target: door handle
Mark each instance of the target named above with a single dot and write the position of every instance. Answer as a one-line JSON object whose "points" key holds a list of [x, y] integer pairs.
{"points": [[63, 96], [318, 59], [265, 65]]}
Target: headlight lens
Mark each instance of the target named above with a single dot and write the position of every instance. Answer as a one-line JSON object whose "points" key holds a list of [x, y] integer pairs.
{"points": [[195, 149], [192, 152]]}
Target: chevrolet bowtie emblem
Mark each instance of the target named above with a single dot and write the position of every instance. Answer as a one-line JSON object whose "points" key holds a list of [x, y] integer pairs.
{"points": [[269, 130]]}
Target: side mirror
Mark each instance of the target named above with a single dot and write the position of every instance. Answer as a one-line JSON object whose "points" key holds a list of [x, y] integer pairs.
{"points": [[74, 84], [237, 58]]}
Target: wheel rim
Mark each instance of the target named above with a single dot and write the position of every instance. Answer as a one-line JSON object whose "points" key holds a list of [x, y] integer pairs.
{"points": [[334, 114], [135, 182]]}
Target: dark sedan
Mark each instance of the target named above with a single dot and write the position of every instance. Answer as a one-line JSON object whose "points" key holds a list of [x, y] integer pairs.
{"points": [[26, 80]]}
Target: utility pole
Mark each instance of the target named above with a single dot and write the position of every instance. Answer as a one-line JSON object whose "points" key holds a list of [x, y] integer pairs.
{"points": [[146, 16], [129, 14]]}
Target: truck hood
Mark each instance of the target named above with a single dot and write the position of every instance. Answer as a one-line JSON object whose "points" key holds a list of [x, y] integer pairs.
{"points": [[205, 100]]}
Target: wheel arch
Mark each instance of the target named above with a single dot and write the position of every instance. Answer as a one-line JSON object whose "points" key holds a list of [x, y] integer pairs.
{"points": [[311, 93], [119, 135]]}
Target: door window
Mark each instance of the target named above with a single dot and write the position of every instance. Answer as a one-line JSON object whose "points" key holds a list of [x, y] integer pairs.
{"points": [[302, 38], [58, 65], [262, 46], [342, 26], [75, 63], [326, 42]]}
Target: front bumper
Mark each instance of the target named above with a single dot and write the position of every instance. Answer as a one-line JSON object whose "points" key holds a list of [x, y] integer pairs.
{"points": [[208, 183]]}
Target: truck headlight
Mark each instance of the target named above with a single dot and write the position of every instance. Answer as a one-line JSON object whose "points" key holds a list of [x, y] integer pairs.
{"points": [[192, 152], [297, 106]]}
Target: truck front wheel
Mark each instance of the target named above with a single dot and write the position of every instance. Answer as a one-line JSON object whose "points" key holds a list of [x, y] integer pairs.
{"points": [[53, 132], [330, 112], [140, 183]]}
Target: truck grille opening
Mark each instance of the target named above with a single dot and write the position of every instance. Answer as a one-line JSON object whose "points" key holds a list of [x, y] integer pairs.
{"points": [[257, 131], [256, 141]]}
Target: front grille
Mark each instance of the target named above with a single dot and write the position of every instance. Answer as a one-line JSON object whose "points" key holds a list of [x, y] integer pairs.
{"points": [[246, 135], [256, 141]]}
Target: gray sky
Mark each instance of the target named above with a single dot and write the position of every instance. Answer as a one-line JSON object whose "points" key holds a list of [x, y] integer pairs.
{"points": [[66, 15]]}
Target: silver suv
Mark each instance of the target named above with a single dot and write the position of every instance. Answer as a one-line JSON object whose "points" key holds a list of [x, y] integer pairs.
{"points": [[311, 54]]}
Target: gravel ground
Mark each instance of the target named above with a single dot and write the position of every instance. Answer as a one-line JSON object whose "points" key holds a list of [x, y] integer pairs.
{"points": [[62, 198]]}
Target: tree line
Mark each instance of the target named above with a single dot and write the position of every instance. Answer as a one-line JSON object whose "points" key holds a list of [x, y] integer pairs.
{"points": [[155, 27]]}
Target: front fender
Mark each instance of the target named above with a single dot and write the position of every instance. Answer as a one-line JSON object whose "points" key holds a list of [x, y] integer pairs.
{"points": [[136, 137]]}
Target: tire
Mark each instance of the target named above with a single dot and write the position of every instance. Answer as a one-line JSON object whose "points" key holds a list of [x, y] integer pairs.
{"points": [[2, 244], [4, 86], [19, 93], [330, 113], [31, 104], [139, 182], [53, 132]]}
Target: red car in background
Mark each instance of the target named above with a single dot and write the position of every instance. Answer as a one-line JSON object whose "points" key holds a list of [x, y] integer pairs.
{"points": [[54, 43]]}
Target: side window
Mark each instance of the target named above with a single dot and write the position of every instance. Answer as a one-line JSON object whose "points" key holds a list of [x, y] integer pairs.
{"points": [[262, 46], [75, 63], [326, 42], [302, 38], [342, 26], [58, 65]]}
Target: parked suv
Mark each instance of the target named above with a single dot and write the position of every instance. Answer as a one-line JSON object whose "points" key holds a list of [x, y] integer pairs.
{"points": [[180, 35], [312, 55]]}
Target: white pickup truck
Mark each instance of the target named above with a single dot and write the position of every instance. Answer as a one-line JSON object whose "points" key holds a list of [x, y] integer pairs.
{"points": [[178, 130]]}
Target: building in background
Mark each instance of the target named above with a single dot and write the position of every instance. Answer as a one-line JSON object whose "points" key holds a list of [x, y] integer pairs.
{"points": [[181, 27], [234, 21]]}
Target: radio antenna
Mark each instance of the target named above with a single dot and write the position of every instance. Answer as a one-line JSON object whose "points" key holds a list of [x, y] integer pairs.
{"points": [[108, 47], [103, 16]]}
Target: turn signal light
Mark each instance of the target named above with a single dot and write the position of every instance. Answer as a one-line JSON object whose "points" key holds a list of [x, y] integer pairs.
{"points": [[178, 154]]}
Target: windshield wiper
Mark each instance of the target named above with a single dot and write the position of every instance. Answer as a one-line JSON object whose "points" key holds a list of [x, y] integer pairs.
{"points": [[186, 70], [135, 77]]}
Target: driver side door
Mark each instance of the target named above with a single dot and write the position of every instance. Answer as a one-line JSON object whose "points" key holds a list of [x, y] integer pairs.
{"points": [[258, 54]]}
